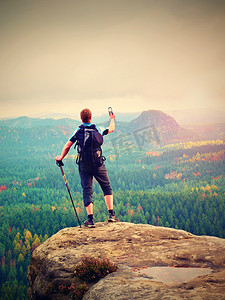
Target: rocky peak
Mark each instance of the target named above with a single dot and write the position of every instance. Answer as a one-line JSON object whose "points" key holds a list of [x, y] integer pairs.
{"points": [[156, 117], [133, 248], [164, 126]]}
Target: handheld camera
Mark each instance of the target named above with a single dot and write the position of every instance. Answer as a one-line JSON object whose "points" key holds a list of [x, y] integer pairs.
{"points": [[110, 111]]}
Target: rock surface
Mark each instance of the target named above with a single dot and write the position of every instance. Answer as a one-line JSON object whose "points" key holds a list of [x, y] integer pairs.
{"points": [[131, 247]]}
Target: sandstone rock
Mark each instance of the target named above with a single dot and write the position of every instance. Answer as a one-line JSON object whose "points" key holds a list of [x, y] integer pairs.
{"points": [[132, 247]]}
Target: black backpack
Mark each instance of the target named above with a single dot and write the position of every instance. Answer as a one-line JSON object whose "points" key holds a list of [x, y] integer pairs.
{"points": [[88, 144]]}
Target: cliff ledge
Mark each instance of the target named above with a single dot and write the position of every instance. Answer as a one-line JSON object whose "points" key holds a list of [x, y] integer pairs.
{"points": [[134, 249]]}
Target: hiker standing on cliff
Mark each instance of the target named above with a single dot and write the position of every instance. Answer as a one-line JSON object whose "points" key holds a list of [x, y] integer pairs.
{"points": [[91, 162]]}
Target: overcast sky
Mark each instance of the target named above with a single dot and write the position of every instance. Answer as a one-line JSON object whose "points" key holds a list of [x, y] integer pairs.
{"points": [[134, 55]]}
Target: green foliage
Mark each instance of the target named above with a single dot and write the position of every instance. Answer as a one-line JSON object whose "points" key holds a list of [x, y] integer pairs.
{"points": [[180, 186], [92, 269]]}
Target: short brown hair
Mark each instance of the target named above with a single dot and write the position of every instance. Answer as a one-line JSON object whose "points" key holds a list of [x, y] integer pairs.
{"points": [[86, 115]]}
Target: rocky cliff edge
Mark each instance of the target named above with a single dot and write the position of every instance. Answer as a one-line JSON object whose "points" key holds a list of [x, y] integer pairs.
{"points": [[134, 248]]}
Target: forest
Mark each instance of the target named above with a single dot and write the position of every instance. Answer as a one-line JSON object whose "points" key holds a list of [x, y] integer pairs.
{"points": [[178, 185]]}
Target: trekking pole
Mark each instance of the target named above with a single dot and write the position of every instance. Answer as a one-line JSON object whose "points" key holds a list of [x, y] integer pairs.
{"points": [[60, 164]]}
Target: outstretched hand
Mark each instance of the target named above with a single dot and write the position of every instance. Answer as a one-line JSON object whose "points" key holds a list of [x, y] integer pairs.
{"points": [[112, 116]]}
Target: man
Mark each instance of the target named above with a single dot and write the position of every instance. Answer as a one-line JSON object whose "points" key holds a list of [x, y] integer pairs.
{"points": [[90, 161]]}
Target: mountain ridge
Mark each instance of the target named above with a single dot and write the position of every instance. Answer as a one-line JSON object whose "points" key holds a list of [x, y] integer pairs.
{"points": [[167, 128], [185, 117]]}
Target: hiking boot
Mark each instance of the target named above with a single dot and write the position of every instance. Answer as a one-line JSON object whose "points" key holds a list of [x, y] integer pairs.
{"points": [[89, 224], [112, 218]]}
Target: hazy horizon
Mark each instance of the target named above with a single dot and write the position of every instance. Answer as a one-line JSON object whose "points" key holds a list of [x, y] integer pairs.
{"points": [[183, 117], [133, 55]]}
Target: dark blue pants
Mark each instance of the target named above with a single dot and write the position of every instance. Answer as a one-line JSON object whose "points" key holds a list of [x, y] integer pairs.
{"points": [[87, 173]]}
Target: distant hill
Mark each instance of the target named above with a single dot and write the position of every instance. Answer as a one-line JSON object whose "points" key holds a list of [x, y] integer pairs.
{"points": [[164, 128], [52, 119], [26, 122]]}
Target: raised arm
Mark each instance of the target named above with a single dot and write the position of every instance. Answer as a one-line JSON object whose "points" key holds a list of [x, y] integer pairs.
{"points": [[65, 150], [112, 123]]}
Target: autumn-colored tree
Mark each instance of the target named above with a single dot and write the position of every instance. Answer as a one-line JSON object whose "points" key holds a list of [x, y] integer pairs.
{"points": [[28, 236], [20, 258]]}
